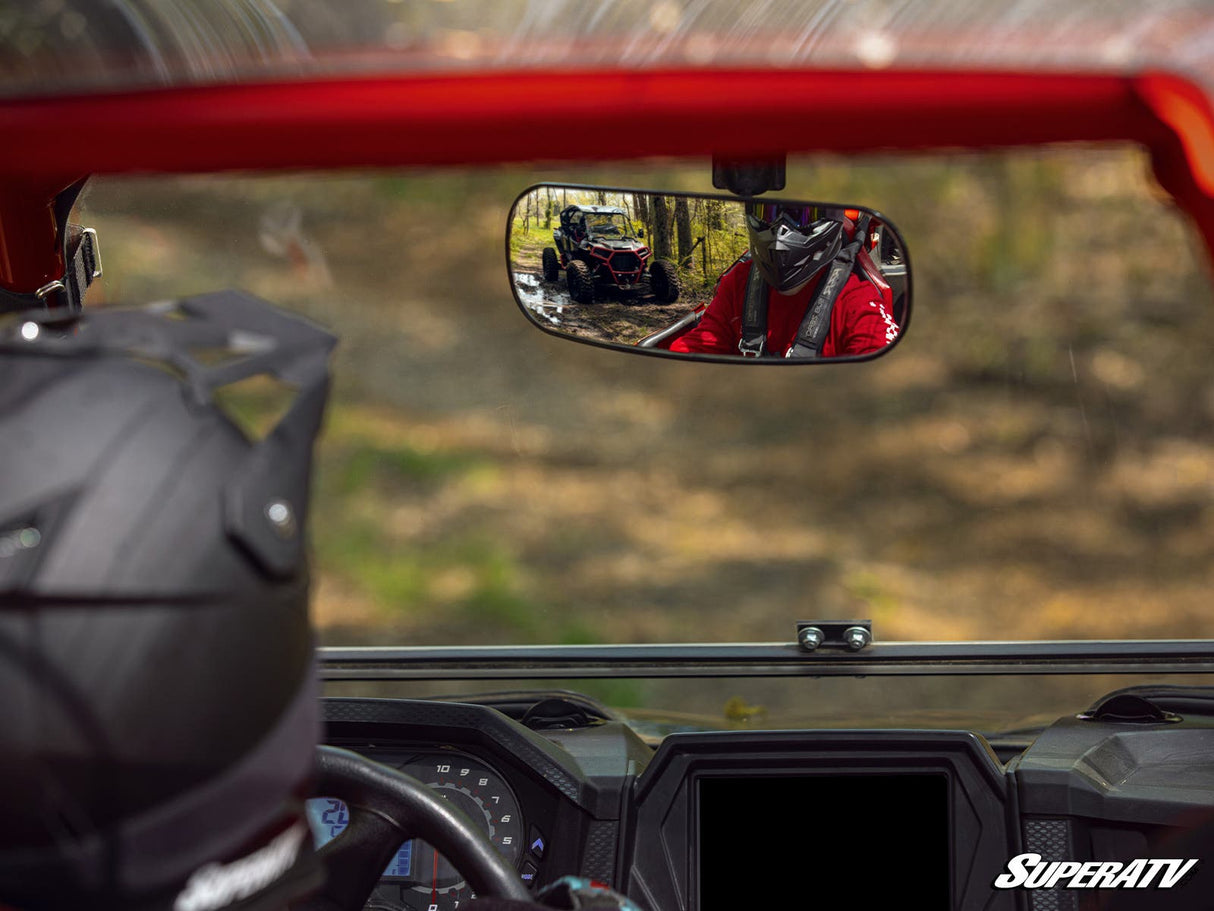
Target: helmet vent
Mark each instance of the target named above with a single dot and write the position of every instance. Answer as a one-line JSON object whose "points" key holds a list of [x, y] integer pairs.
{"points": [[255, 404]]}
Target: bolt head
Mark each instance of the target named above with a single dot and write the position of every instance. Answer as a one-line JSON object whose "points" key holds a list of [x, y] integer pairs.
{"points": [[282, 518], [857, 637], [810, 638]]}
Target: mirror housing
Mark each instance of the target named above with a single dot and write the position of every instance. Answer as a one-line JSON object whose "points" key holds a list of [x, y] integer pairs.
{"points": [[709, 277]]}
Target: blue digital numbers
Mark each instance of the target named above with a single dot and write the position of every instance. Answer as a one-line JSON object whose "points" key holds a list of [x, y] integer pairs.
{"points": [[327, 818]]}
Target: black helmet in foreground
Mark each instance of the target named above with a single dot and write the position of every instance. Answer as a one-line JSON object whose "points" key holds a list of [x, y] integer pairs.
{"points": [[789, 244], [159, 714]]}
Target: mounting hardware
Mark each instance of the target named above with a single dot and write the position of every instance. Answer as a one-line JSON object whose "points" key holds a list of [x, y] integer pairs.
{"points": [[281, 518], [748, 178], [49, 288], [810, 637], [852, 635], [857, 637], [92, 253]]}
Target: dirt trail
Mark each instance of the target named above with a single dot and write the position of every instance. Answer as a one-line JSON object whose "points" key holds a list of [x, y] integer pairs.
{"points": [[623, 317]]}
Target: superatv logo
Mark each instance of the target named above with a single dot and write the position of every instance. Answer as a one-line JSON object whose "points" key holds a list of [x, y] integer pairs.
{"points": [[217, 885], [1029, 871]]}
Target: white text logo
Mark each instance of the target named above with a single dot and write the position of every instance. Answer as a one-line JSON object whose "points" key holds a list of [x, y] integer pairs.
{"points": [[1029, 871], [216, 885]]}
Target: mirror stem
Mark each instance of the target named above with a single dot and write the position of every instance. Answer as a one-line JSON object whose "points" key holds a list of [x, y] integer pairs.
{"points": [[749, 178]]}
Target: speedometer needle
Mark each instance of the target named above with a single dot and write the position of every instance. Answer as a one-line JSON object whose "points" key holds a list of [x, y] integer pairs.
{"points": [[434, 882]]}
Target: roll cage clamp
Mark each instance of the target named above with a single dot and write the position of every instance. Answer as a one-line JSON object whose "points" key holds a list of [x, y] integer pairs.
{"points": [[63, 294], [59, 282]]}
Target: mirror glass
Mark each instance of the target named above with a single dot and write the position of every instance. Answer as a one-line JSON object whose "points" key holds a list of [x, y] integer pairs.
{"points": [[699, 275]]}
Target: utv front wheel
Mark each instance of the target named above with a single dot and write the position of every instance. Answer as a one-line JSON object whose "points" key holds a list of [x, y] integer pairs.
{"points": [[552, 265], [664, 281], [581, 282]]}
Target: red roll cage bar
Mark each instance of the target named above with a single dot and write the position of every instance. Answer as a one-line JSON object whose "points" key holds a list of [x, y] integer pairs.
{"points": [[490, 118]]}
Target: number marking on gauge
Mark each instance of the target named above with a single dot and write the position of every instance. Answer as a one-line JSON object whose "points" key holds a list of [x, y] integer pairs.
{"points": [[483, 796]]}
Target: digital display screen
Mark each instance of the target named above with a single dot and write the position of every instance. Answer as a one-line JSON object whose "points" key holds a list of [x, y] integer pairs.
{"points": [[328, 817], [777, 840]]}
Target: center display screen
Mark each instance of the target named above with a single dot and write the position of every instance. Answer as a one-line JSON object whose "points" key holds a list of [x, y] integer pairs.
{"points": [[882, 840]]}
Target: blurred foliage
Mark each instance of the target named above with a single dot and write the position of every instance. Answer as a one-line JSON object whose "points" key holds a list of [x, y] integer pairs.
{"points": [[1033, 460]]}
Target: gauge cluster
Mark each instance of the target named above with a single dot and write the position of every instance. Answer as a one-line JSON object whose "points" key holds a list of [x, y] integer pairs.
{"points": [[533, 800], [418, 878]]}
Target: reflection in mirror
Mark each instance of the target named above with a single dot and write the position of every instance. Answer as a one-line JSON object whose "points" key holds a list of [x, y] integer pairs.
{"points": [[708, 275]]}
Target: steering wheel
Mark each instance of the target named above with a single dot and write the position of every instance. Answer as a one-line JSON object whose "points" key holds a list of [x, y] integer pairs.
{"points": [[386, 807]]}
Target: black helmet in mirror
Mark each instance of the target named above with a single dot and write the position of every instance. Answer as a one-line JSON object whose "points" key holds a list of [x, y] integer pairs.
{"points": [[703, 276]]}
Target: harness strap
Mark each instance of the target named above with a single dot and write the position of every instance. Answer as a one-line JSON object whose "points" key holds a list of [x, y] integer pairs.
{"points": [[754, 316], [816, 323]]}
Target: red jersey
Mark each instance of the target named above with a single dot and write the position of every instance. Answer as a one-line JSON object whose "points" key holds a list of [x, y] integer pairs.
{"points": [[860, 322]]}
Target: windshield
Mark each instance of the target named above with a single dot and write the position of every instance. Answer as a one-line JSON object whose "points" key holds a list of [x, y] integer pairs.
{"points": [[609, 224], [74, 45], [1033, 461]]}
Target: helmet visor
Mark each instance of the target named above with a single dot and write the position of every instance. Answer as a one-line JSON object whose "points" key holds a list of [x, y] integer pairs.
{"points": [[789, 255]]}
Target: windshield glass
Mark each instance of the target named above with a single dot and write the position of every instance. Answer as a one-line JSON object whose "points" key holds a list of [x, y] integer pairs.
{"points": [[1033, 461], [609, 224], [996, 706], [80, 45]]}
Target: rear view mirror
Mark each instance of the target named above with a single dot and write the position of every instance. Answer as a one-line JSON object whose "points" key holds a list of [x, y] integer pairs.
{"points": [[708, 276]]}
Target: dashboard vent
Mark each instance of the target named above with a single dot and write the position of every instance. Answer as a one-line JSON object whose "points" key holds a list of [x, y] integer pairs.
{"points": [[1051, 838]]}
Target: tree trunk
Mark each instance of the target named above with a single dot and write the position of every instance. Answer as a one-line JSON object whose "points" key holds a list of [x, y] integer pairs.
{"points": [[662, 226], [641, 202], [682, 222]]}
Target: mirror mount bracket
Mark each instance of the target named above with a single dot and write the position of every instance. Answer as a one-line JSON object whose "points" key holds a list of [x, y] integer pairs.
{"points": [[852, 635], [749, 177]]}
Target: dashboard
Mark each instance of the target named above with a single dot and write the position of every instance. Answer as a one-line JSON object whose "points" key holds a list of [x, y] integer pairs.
{"points": [[707, 820]]}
